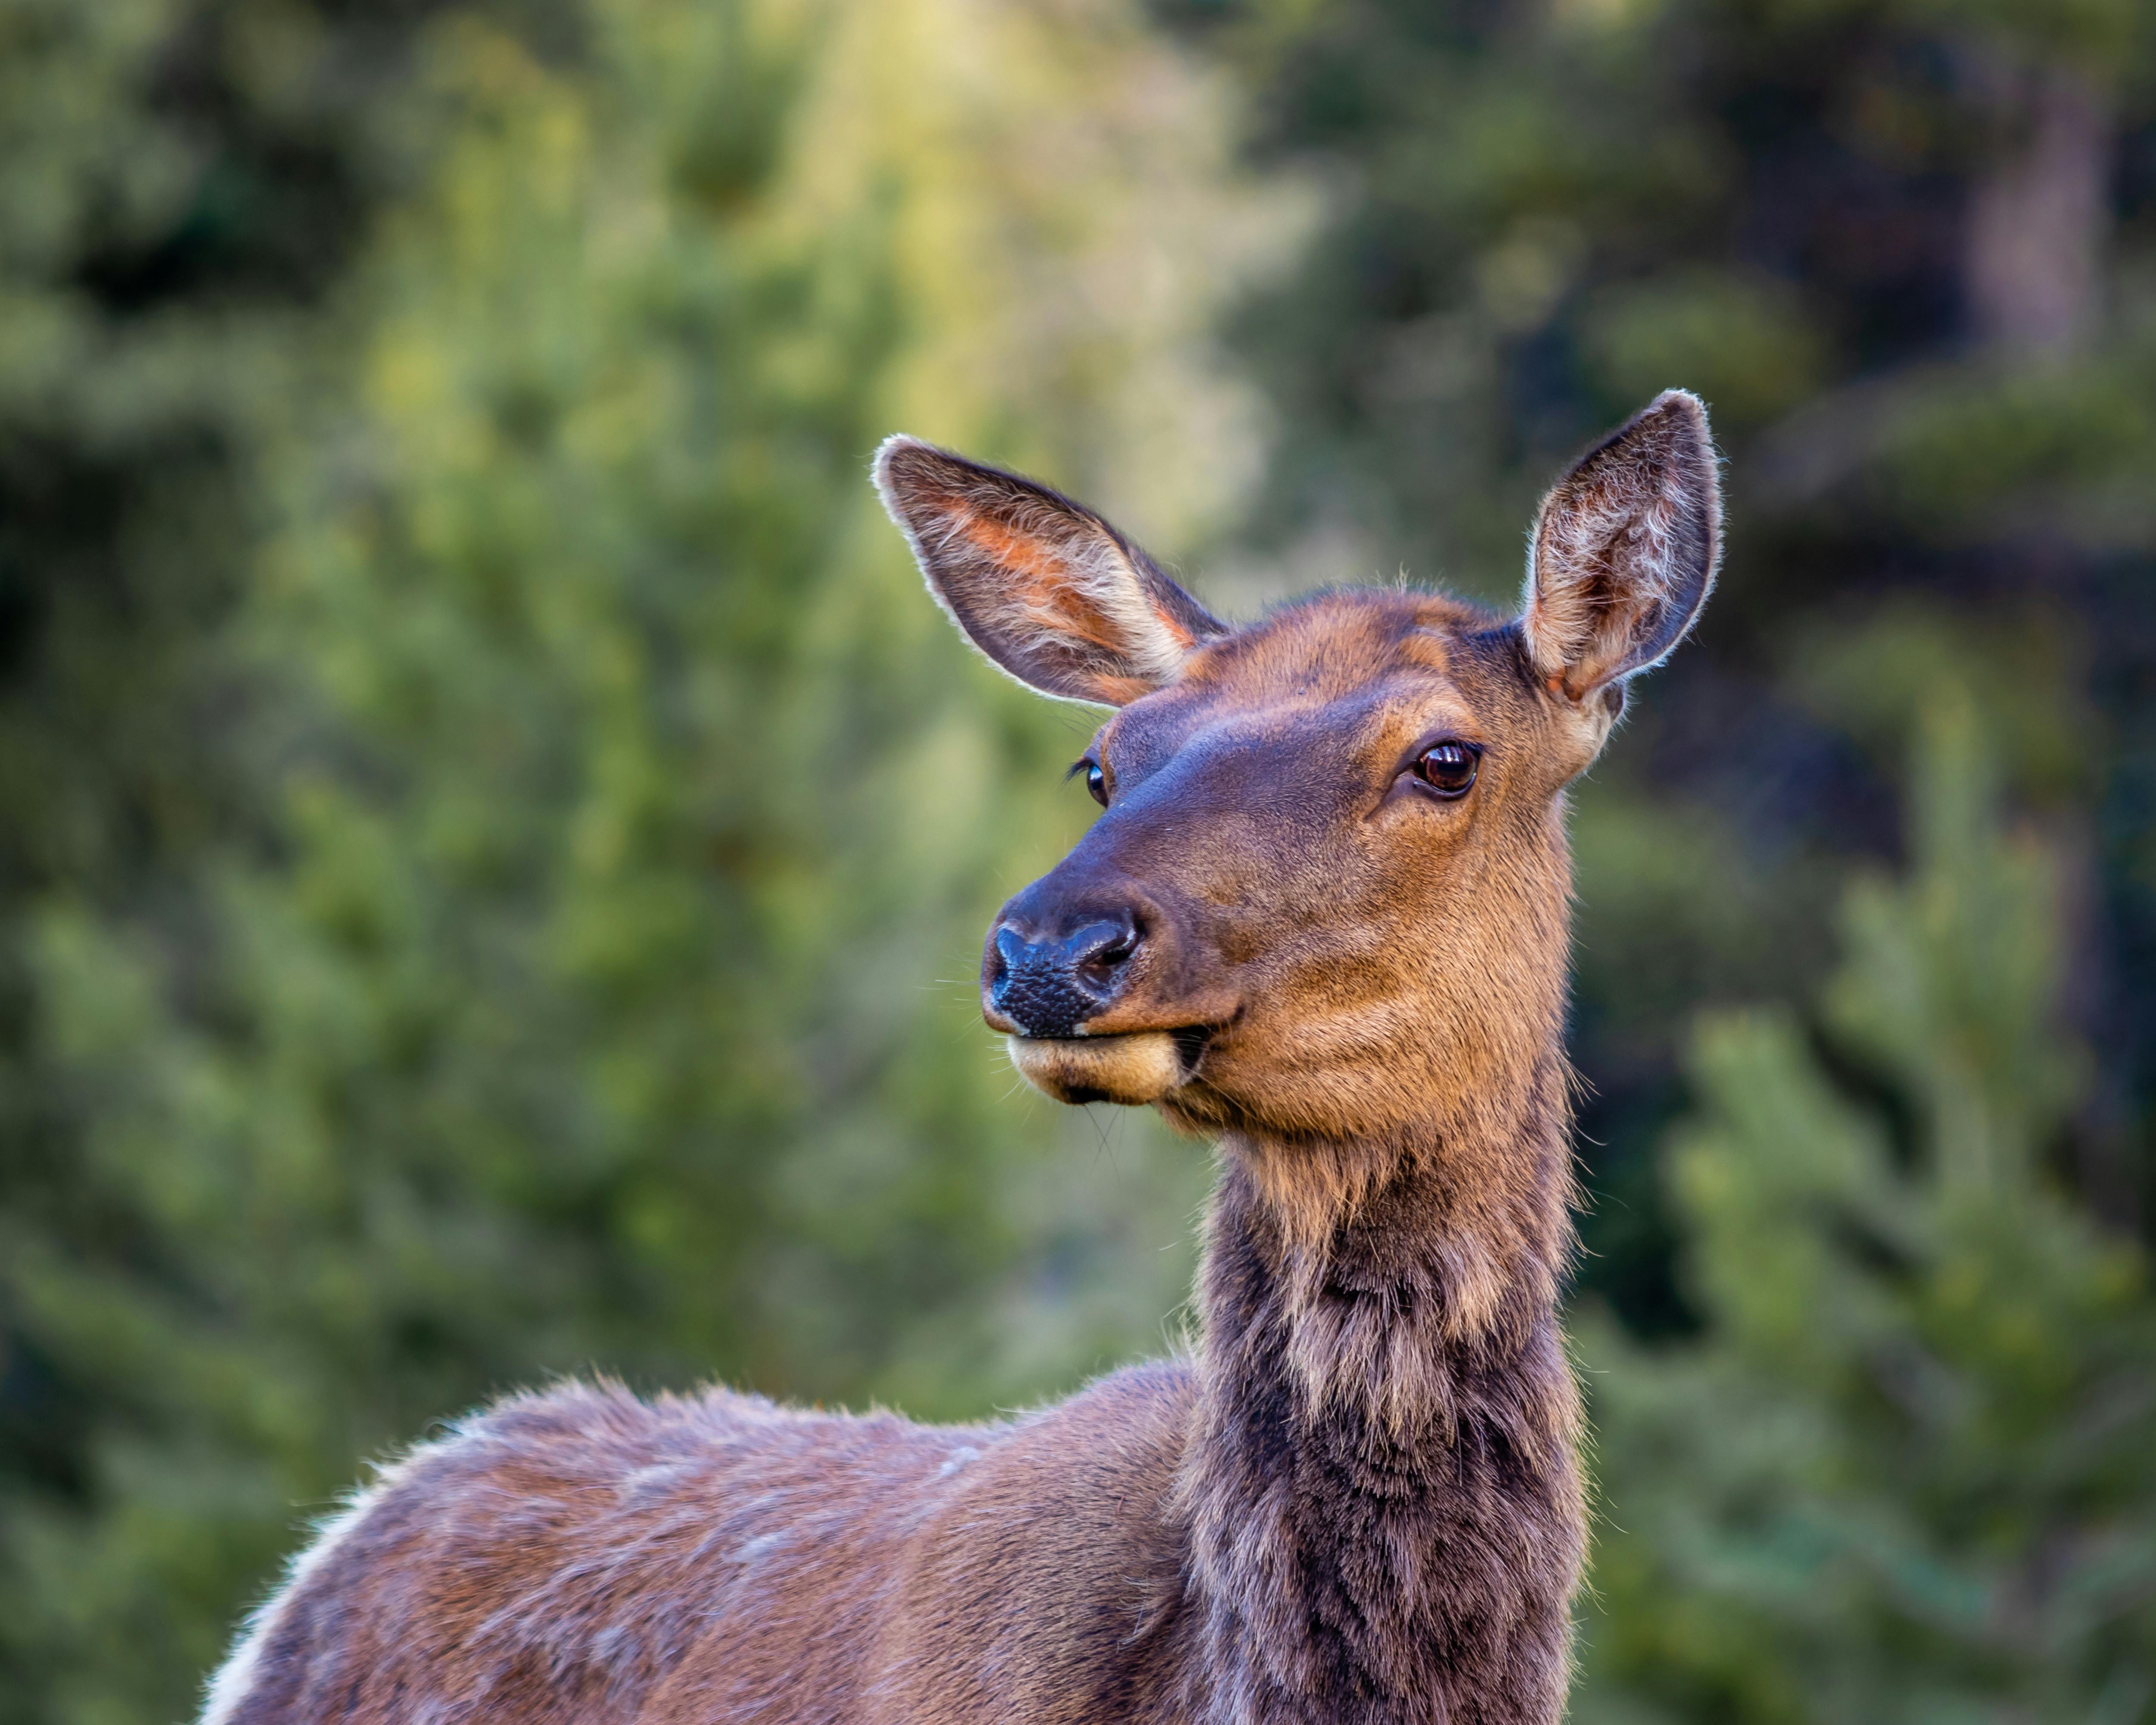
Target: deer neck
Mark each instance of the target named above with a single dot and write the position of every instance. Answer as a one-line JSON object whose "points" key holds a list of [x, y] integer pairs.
{"points": [[1383, 1498]]}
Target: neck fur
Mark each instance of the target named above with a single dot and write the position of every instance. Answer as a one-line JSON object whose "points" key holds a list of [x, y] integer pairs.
{"points": [[1383, 1502]]}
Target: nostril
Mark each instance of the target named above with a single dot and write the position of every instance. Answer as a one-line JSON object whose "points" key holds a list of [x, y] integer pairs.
{"points": [[1099, 948]]}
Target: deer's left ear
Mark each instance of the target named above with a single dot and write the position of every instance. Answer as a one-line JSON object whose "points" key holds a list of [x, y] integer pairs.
{"points": [[1624, 550], [1046, 589]]}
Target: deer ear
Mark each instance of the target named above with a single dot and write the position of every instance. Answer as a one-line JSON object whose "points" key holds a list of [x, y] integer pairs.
{"points": [[1048, 590], [1624, 550]]}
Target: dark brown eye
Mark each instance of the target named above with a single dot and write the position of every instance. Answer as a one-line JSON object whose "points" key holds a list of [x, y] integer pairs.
{"points": [[1096, 782], [1449, 767]]}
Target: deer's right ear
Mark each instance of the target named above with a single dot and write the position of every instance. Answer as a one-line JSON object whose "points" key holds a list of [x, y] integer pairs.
{"points": [[1624, 550], [1048, 590]]}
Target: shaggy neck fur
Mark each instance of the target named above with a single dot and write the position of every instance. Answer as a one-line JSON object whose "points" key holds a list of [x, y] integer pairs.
{"points": [[1384, 1503]]}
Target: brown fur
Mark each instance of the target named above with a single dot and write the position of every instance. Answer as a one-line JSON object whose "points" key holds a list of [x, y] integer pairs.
{"points": [[1359, 1500]]}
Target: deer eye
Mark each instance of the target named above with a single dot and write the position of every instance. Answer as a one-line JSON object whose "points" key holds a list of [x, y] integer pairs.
{"points": [[1096, 782], [1449, 767]]}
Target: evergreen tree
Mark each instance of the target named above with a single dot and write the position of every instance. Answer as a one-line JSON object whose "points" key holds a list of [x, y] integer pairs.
{"points": [[183, 185], [1903, 1474]]}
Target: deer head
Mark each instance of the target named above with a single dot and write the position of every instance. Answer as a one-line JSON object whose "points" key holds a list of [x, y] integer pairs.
{"points": [[1328, 891]]}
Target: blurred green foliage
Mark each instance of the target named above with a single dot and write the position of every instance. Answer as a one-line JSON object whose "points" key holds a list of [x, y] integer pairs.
{"points": [[1904, 1475], [495, 842], [171, 207]]}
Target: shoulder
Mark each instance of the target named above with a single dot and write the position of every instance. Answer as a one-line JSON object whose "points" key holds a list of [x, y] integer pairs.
{"points": [[1140, 1412], [1054, 1548], [1167, 1385]]}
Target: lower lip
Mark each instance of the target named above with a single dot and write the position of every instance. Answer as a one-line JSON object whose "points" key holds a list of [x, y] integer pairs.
{"points": [[1136, 1069]]}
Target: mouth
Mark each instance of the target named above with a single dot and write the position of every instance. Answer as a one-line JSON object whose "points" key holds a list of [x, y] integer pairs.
{"points": [[1133, 1069]]}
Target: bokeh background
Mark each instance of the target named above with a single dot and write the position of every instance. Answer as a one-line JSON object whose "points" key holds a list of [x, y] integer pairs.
{"points": [[493, 840]]}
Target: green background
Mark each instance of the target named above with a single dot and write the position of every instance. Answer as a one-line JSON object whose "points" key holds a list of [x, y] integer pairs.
{"points": [[494, 841]]}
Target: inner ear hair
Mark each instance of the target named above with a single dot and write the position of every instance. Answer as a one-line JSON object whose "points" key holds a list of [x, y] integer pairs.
{"points": [[1047, 589], [1624, 550]]}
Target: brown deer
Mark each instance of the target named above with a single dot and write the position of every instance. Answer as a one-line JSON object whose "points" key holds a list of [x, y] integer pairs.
{"points": [[1323, 920]]}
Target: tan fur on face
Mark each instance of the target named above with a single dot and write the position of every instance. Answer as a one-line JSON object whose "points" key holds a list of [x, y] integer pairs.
{"points": [[1392, 961]]}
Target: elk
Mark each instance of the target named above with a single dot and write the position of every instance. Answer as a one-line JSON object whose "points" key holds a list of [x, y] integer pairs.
{"points": [[1323, 921]]}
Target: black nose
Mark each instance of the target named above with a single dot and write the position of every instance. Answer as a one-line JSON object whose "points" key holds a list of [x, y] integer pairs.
{"points": [[1048, 984]]}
